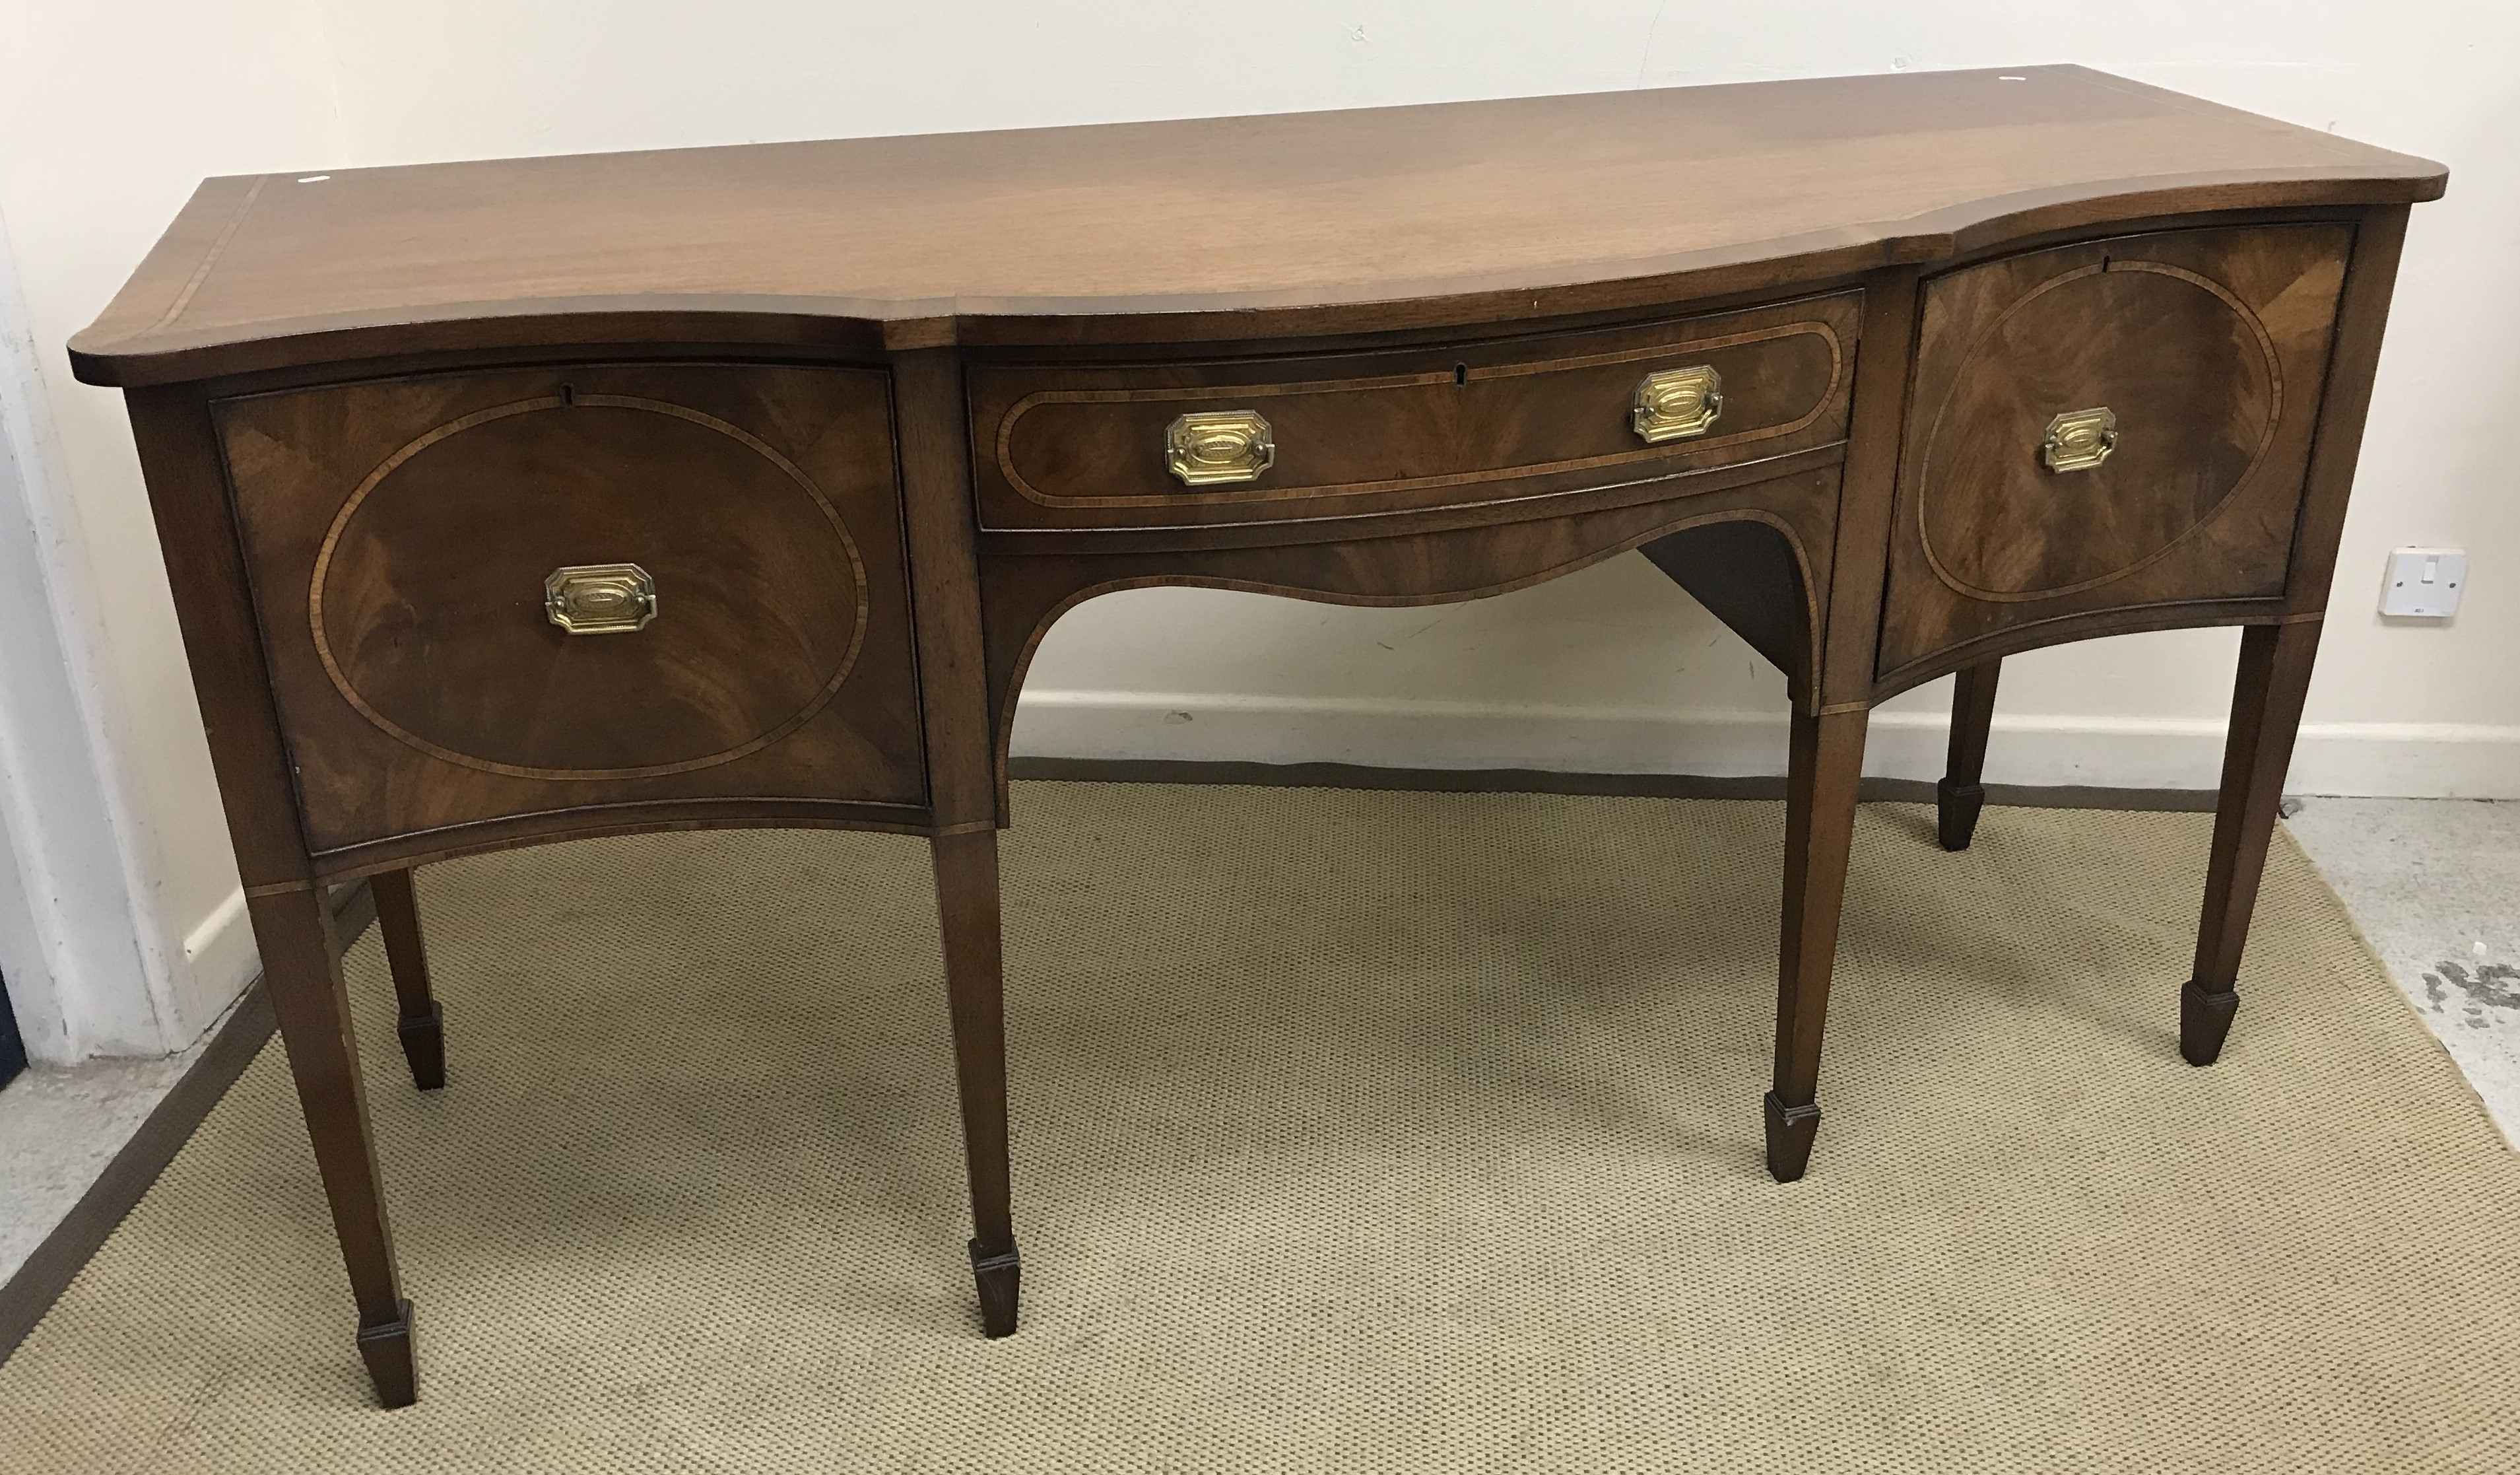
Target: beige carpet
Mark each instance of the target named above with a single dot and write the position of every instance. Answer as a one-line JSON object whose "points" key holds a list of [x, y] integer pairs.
{"points": [[1355, 1132]]}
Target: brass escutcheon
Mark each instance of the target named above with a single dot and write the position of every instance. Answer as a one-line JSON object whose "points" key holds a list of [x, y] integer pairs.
{"points": [[2080, 439], [1674, 405], [1214, 447], [600, 599]]}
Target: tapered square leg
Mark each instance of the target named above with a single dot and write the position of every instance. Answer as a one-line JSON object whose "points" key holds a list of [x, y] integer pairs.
{"points": [[420, 1021], [424, 1046], [393, 1365], [2266, 714], [2204, 1021], [1791, 1133], [1961, 795], [967, 905], [1957, 807], [1826, 767], [999, 1278], [302, 969]]}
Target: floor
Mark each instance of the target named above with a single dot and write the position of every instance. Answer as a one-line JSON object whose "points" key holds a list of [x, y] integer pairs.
{"points": [[58, 1129], [2435, 886], [1405, 1133], [2434, 883]]}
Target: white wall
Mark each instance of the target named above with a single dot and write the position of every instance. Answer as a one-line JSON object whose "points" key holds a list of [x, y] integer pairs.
{"points": [[69, 922], [107, 113], [109, 117]]}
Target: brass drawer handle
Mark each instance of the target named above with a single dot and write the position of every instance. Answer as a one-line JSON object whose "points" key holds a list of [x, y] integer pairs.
{"points": [[2080, 439], [1674, 405], [1214, 447], [600, 599]]}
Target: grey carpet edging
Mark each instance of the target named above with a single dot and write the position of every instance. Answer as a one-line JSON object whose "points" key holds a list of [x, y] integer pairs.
{"points": [[169, 1124], [1134, 770]]}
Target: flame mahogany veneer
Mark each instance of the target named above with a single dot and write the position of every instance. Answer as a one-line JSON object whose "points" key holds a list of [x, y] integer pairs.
{"points": [[813, 441]]}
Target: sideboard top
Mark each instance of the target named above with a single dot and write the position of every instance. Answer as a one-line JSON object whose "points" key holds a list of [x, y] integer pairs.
{"points": [[1295, 222]]}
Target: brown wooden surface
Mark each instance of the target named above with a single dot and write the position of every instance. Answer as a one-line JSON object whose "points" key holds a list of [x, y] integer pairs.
{"points": [[1029, 592], [966, 908], [876, 413], [944, 559], [1841, 664], [1499, 209], [400, 533], [1825, 763], [1573, 502], [197, 537], [1961, 794], [302, 960], [2267, 698], [2370, 279], [420, 1020], [2209, 346], [292, 926], [1747, 575], [1357, 435]]}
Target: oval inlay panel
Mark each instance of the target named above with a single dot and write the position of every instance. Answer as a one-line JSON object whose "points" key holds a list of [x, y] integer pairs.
{"points": [[2190, 373], [426, 602]]}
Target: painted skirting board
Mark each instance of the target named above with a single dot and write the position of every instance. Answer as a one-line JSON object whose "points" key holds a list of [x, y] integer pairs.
{"points": [[219, 960], [2444, 761]]}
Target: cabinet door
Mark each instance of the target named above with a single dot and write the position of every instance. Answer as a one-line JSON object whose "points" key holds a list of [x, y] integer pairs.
{"points": [[2115, 425], [546, 597]]}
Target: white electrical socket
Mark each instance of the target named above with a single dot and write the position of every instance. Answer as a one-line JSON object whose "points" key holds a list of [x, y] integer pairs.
{"points": [[2424, 583]]}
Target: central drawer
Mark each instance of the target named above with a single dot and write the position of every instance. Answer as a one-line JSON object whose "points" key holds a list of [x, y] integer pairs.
{"points": [[1287, 438]]}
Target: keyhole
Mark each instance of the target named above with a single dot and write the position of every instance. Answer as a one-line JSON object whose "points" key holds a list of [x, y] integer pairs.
{"points": [[1460, 373], [568, 394]]}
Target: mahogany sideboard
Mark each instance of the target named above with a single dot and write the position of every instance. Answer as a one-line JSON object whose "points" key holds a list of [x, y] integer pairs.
{"points": [[506, 502]]}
